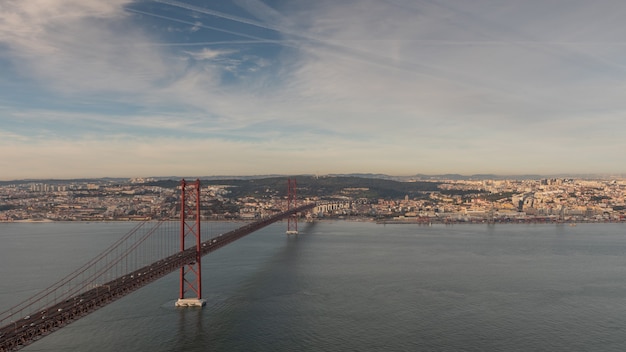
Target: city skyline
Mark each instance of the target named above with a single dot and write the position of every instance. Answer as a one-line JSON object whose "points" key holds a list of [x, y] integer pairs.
{"points": [[247, 87]]}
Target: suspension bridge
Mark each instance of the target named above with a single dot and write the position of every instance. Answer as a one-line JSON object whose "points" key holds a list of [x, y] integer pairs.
{"points": [[150, 251]]}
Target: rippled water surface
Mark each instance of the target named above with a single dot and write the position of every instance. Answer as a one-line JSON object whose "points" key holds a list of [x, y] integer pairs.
{"points": [[350, 286]]}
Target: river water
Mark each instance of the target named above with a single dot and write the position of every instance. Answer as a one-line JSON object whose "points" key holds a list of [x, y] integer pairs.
{"points": [[350, 286]]}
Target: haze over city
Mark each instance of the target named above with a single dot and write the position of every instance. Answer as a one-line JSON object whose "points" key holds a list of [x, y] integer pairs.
{"points": [[246, 87]]}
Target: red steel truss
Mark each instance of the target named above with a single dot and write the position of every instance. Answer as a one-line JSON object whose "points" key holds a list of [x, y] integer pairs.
{"points": [[190, 274], [292, 220]]}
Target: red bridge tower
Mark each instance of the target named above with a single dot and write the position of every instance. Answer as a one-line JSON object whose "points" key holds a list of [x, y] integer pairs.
{"points": [[190, 274], [292, 220]]}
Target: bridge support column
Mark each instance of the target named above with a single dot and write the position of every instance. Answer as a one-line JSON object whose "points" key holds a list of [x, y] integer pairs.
{"points": [[190, 272], [292, 220]]}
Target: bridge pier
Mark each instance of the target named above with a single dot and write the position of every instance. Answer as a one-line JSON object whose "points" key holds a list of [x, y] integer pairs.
{"points": [[190, 302]]}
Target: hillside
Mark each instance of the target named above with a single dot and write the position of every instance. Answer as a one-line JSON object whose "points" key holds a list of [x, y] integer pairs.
{"points": [[311, 186]]}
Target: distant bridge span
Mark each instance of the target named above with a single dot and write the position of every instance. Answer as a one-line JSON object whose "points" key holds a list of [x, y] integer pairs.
{"points": [[25, 330]]}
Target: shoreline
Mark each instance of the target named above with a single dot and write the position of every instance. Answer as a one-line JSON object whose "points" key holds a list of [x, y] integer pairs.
{"points": [[420, 222]]}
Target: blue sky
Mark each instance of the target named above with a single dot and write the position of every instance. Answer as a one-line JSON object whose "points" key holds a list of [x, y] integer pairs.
{"points": [[119, 88]]}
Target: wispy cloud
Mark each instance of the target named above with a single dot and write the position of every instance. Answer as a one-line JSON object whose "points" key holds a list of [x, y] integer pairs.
{"points": [[208, 54], [73, 46]]}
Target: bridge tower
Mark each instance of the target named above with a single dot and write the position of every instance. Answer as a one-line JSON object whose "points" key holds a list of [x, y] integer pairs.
{"points": [[190, 273], [292, 220]]}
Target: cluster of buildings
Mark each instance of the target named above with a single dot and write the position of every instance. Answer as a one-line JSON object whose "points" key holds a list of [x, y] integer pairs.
{"points": [[84, 201], [546, 200]]}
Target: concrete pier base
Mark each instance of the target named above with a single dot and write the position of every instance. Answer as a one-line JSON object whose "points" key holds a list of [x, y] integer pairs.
{"points": [[190, 302]]}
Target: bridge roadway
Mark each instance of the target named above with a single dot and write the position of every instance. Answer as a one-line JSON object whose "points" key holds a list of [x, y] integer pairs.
{"points": [[20, 333]]}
